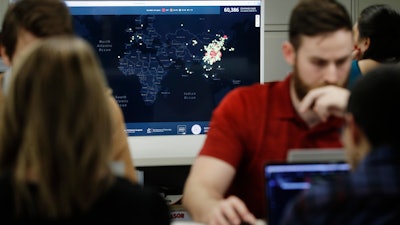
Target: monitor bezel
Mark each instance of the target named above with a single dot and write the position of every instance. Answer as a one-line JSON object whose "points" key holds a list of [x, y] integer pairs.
{"points": [[162, 150]]}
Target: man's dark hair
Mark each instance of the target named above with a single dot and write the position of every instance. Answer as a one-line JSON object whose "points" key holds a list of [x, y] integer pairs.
{"points": [[42, 18], [381, 24], [317, 17], [374, 103]]}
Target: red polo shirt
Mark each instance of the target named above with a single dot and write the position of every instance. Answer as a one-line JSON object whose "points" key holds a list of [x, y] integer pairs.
{"points": [[257, 124]]}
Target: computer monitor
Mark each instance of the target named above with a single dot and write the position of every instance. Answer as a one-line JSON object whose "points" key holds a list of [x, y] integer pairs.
{"points": [[169, 64]]}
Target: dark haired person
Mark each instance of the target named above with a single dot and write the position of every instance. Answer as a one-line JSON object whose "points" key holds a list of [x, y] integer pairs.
{"points": [[27, 21], [377, 41], [371, 193], [377, 35], [260, 123]]}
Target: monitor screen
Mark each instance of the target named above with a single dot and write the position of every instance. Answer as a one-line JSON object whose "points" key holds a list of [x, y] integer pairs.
{"points": [[169, 63]]}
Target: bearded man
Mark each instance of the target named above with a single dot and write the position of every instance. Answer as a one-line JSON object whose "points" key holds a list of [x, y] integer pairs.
{"points": [[258, 124]]}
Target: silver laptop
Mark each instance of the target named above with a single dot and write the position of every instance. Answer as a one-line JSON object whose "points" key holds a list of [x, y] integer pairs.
{"points": [[316, 155]]}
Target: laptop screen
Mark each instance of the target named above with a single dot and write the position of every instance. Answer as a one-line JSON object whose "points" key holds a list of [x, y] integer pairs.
{"points": [[284, 181]]}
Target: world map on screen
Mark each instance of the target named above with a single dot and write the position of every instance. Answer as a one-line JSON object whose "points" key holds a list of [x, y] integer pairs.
{"points": [[161, 51], [173, 68]]}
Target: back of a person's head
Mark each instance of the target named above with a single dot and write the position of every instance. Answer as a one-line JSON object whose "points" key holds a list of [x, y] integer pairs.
{"points": [[380, 23], [42, 18], [56, 124], [317, 17], [374, 103]]}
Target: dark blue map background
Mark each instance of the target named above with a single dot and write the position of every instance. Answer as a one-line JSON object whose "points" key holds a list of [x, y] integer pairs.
{"points": [[175, 96]]}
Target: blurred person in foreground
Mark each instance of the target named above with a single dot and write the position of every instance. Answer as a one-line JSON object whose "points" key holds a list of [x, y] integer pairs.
{"points": [[55, 144], [260, 123], [27, 21], [371, 193]]}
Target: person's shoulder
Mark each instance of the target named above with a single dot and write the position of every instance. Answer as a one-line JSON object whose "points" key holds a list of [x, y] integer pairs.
{"points": [[324, 193], [260, 91], [242, 96], [312, 206], [254, 90], [258, 86], [6, 195], [252, 97]]}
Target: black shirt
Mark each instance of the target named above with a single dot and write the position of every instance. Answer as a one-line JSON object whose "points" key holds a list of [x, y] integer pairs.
{"points": [[123, 203]]}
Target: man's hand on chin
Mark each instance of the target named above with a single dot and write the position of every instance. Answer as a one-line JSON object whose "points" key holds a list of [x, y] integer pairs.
{"points": [[326, 101]]}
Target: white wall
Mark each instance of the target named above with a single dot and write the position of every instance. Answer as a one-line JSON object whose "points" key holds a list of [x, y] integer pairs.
{"points": [[3, 8]]}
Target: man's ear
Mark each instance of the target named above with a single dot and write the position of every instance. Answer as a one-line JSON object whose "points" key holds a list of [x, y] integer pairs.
{"points": [[288, 52], [4, 56]]}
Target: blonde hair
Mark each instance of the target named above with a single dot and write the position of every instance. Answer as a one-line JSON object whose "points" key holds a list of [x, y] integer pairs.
{"points": [[56, 127]]}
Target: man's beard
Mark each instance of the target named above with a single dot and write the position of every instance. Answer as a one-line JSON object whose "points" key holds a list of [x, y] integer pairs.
{"points": [[302, 89]]}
